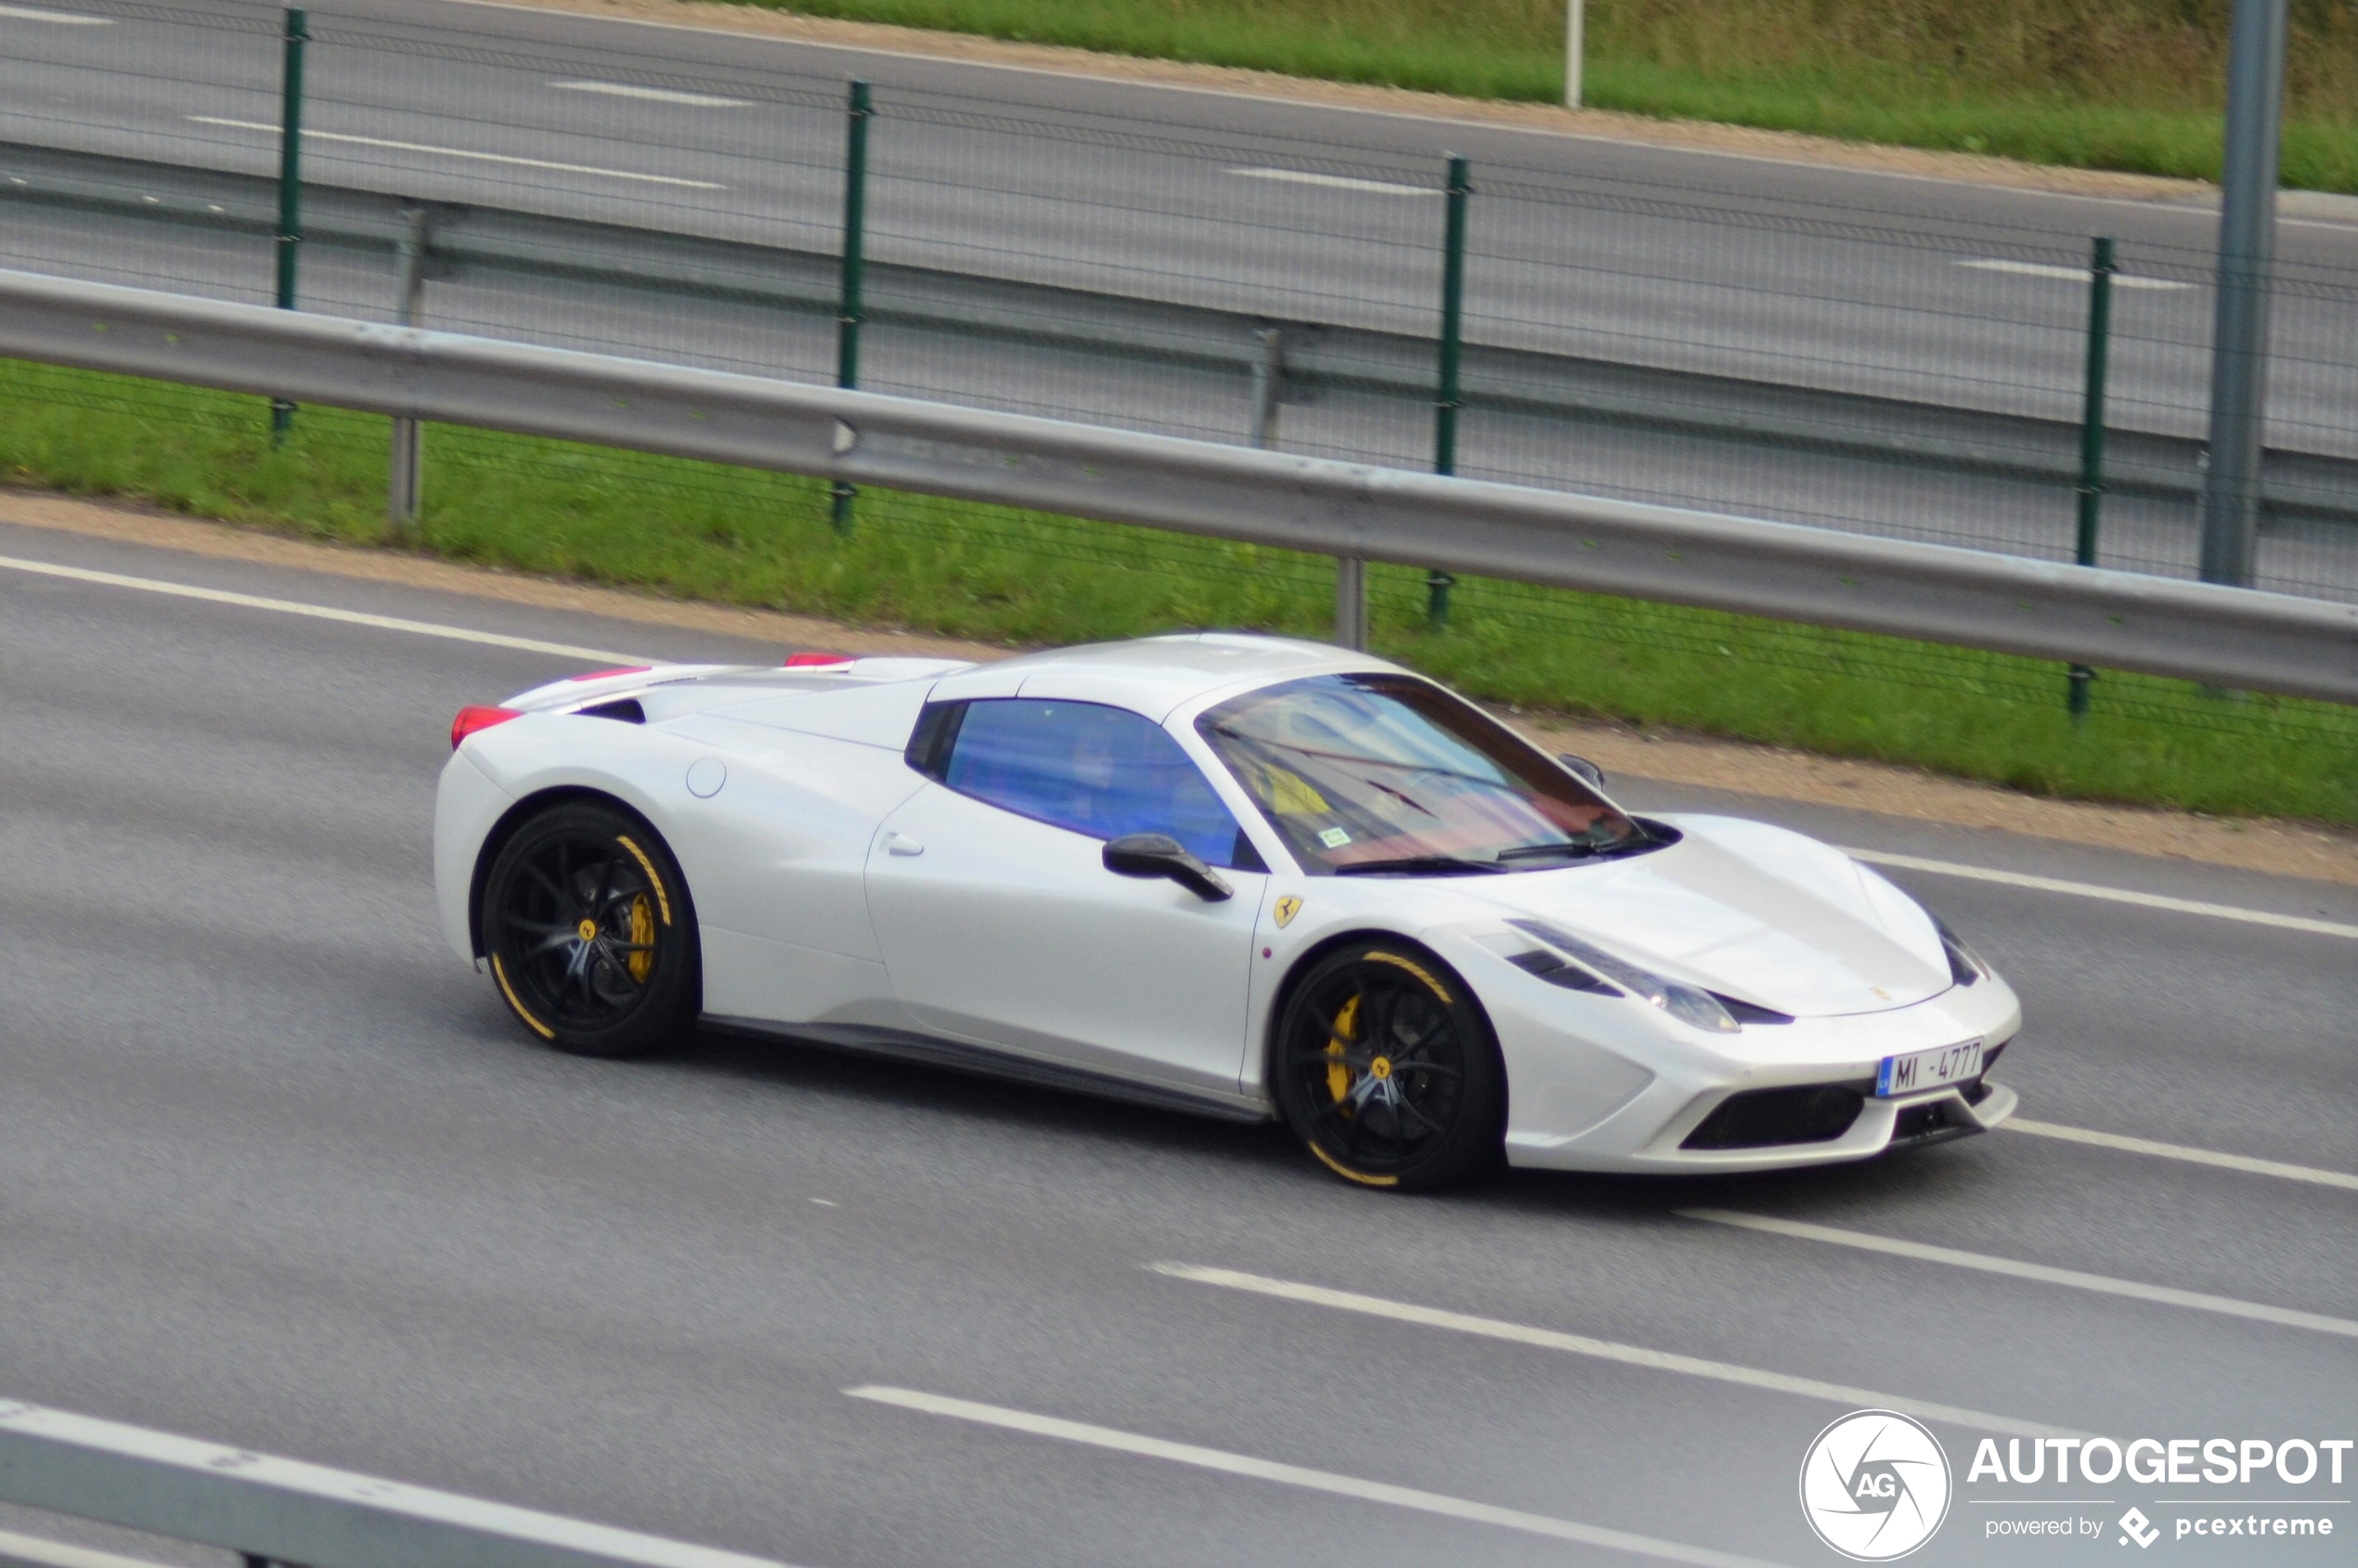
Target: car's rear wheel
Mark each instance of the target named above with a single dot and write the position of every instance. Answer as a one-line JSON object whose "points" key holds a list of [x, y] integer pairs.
{"points": [[1386, 1069], [587, 924]]}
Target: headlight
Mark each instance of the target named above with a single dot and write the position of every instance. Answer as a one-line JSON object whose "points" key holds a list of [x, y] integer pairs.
{"points": [[1965, 966], [1699, 1009]]}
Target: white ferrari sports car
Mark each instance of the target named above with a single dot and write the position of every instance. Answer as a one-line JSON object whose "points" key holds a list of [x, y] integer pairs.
{"points": [[1246, 875]]}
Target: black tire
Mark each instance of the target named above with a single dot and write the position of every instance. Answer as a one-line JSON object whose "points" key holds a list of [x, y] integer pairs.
{"points": [[1386, 1069], [592, 938]]}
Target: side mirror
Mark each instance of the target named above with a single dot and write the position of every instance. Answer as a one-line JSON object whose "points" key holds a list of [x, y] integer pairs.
{"points": [[1580, 767], [1159, 854]]}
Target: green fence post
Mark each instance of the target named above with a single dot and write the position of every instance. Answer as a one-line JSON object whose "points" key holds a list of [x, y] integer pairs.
{"points": [[1446, 406], [404, 478], [2092, 435], [297, 34], [855, 225]]}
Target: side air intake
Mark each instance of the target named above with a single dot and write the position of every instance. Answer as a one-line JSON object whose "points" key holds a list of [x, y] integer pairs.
{"points": [[1806, 1113]]}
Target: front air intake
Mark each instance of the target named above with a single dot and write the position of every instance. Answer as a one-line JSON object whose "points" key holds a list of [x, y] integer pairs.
{"points": [[1806, 1113]]}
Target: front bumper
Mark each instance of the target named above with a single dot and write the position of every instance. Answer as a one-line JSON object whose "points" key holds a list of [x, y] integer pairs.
{"points": [[1609, 1085], [1878, 1127]]}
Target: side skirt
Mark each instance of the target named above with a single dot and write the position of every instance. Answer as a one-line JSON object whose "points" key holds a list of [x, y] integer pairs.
{"points": [[988, 1062]]}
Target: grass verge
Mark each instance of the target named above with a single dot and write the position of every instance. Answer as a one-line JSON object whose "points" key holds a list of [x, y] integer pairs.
{"points": [[696, 530], [2129, 84]]}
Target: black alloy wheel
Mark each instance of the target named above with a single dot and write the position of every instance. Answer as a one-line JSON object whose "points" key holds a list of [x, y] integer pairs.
{"points": [[591, 941], [1386, 1069]]}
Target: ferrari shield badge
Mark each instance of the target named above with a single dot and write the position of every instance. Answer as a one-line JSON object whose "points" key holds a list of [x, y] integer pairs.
{"points": [[1288, 907]]}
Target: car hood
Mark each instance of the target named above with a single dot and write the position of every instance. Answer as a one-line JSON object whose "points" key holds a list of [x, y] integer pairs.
{"points": [[1748, 910]]}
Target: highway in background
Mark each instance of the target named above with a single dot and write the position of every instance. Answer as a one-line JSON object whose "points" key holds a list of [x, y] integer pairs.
{"points": [[276, 1169], [1895, 286]]}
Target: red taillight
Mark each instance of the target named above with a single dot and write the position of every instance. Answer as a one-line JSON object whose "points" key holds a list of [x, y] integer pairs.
{"points": [[604, 674], [809, 661], [470, 720]]}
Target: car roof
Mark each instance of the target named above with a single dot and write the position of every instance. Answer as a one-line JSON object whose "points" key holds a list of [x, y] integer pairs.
{"points": [[1154, 675]]}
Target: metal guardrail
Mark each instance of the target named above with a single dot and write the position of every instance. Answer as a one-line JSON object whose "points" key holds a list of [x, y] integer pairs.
{"points": [[2236, 637], [1312, 357], [32, 1551], [285, 1511]]}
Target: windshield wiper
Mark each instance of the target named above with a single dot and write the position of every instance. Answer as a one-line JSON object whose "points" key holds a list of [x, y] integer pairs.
{"points": [[1413, 865], [1574, 850], [1533, 851]]}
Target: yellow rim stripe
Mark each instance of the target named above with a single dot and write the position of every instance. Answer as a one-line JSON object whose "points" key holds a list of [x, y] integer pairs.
{"points": [[509, 991], [1395, 959], [1348, 1174], [663, 900]]}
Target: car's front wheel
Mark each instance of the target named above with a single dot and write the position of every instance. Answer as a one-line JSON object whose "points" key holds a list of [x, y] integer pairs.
{"points": [[587, 924], [1386, 1069]]}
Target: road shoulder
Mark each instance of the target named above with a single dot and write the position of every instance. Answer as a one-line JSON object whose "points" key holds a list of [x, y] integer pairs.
{"points": [[2268, 846]]}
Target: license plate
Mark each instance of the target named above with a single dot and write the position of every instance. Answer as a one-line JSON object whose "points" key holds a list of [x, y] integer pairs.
{"points": [[1919, 1070]]}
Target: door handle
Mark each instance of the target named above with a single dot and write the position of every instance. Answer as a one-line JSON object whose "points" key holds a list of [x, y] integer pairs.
{"points": [[901, 843]]}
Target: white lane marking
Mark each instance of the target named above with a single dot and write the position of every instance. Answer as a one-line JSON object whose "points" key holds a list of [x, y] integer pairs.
{"points": [[656, 95], [2226, 1306], [2180, 1151], [2110, 895], [64, 18], [1606, 1349], [2073, 274], [319, 612], [826, 1203], [1336, 182], [461, 152], [1226, 1463]]}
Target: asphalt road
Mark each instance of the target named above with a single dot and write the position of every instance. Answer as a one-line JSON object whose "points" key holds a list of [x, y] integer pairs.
{"points": [[274, 1169], [1820, 277]]}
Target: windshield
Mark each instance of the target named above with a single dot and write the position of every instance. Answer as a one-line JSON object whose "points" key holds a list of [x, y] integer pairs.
{"points": [[1390, 774]]}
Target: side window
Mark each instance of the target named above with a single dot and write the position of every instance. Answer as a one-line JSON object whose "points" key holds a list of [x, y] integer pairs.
{"points": [[1100, 770]]}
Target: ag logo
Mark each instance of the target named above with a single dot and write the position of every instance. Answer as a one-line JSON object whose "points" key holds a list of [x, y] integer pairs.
{"points": [[1288, 907], [1874, 1486]]}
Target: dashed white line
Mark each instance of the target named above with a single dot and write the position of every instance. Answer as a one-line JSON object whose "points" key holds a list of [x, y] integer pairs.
{"points": [[1352, 1486], [2226, 1306], [318, 612], [1336, 182], [654, 95], [2244, 1162], [2072, 274], [63, 19], [461, 152], [2110, 895], [1604, 1349]]}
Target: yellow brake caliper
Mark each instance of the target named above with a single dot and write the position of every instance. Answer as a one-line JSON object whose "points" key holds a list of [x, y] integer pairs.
{"points": [[642, 936], [1339, 1073]]}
